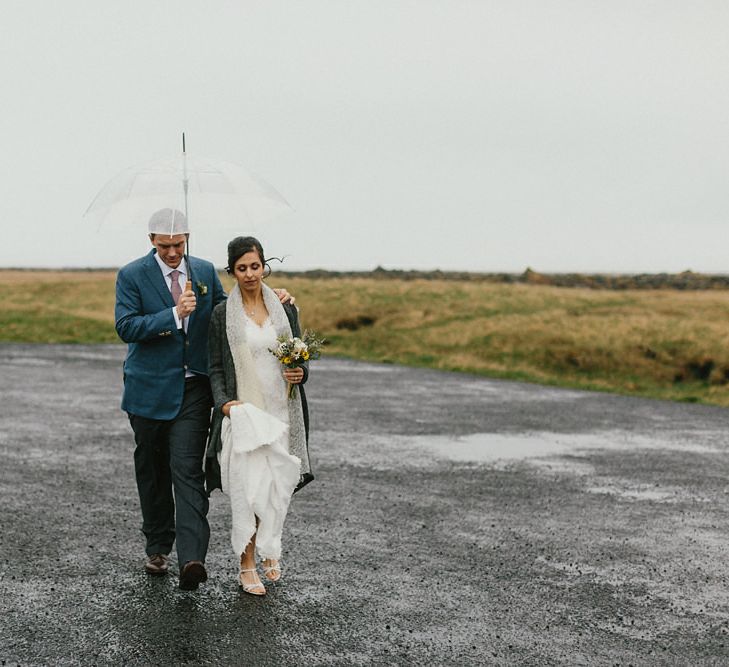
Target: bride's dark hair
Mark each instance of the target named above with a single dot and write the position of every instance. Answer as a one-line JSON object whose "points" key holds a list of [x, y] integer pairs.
{"points": [[240, 245]]}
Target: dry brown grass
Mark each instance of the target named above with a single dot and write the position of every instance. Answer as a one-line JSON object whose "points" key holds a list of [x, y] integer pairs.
{"points": [[671, 344], [57, 306], [660, 343]]}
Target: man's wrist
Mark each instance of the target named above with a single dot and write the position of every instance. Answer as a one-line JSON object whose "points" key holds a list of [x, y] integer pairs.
{"points": [[176, 315]]}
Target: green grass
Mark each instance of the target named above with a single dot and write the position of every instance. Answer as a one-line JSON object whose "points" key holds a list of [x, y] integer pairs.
{"points": [[660, 343], [19, 326]]}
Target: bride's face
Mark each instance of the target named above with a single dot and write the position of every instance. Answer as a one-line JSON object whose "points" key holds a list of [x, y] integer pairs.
{"points": [[248, 271]]}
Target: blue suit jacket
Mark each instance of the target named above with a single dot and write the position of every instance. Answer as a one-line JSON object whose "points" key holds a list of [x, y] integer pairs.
{"points": [[159, 353]]}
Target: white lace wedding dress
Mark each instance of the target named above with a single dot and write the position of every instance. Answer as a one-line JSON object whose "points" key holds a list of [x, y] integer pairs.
{"points": [[268, 369], [259, 474]]}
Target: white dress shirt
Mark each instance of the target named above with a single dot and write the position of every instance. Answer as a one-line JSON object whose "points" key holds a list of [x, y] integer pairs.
{"points": [[181, 279]]}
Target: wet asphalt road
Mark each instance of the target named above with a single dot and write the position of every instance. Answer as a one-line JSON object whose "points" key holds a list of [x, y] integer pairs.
{"points": [[455, 521]]}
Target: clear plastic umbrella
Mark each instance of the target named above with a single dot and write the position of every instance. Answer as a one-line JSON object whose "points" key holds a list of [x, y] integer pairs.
{"points": [[209, 192]]}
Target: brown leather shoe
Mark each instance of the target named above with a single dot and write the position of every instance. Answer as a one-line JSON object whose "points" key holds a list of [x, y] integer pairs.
{"points": [[192, 574], [157, 564]]}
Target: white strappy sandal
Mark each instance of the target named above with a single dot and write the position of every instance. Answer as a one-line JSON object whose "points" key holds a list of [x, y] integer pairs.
{"points": [[269, 570], [253, 589]]}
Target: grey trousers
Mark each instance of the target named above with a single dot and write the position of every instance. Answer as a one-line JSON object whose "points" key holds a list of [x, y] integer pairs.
{"points": [[169, 457]]}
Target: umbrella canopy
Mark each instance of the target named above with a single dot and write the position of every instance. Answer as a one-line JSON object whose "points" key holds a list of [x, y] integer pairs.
{"points": [[209, 192]]}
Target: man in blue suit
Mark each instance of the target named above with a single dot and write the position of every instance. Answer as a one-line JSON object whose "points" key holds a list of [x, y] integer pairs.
{"points": [[163, 308]]}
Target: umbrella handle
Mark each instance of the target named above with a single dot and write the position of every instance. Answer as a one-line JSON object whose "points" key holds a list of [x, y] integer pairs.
{"points": [[188, 286]]}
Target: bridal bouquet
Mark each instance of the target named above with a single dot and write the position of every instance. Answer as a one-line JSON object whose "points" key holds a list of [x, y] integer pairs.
{"points": [[294, 352]]}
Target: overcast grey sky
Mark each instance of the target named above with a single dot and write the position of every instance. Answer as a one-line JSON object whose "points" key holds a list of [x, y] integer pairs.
{"points": [[562, 135]]}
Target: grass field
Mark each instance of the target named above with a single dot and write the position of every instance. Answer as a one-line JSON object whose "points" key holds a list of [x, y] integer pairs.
{"points": [[661, 343]]}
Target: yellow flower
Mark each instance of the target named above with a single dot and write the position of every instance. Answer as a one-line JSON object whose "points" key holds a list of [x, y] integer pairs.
{"points": [[286, 360], [305, 356]]}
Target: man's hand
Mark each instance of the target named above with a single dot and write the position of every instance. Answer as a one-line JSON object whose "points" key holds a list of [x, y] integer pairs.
{"points": [[227, 406], [186, 304], [284, 296]]}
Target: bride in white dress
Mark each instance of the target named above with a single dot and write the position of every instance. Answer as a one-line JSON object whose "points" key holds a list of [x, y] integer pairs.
{"points": [[258, 434]]}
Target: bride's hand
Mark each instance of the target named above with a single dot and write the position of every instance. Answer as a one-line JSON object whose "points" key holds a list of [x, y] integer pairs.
{"points": [[294, 375], [227, 406]]}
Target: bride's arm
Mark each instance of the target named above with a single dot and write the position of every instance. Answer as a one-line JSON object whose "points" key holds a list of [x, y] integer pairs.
{"points": [[217, 342], [292, 312]]}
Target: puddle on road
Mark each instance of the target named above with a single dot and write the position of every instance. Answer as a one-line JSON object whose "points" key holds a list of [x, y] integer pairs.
{"points": [[26, 361], [491, 446], [485, 447], [337, 365], [624, 489]]}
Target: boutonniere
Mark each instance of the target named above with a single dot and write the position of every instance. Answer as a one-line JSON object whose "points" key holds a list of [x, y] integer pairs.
{"points": [[202, 288]]}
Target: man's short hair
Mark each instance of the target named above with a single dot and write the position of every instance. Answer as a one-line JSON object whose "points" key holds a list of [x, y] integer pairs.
{"points": [[168, 221]]}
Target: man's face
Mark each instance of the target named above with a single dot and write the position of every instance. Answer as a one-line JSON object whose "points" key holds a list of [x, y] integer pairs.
{"points": [[170, 249]]}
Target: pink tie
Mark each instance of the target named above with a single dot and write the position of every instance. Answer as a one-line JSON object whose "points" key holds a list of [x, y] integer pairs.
{"points": [[176, 289]]}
